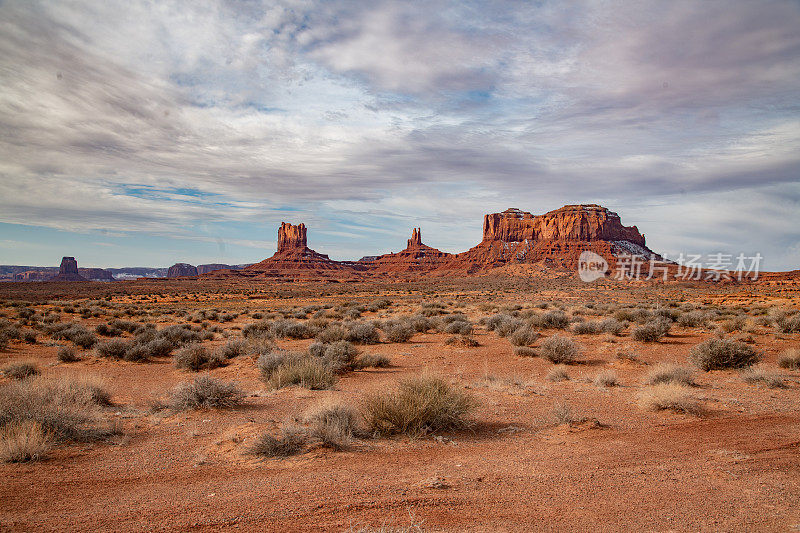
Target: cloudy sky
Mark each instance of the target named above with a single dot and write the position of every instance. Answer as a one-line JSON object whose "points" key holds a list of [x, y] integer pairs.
{"points": [[145, 133]]}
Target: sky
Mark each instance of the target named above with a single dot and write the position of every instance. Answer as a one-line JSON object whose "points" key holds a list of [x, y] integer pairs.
{"points": [[148, 133]]}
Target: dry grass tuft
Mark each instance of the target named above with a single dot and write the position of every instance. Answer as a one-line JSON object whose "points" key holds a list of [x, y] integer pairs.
{"points": [[420, 405], [558, 349], [205, 393], [669, 373], [290, 443], [790, 359], [606, 378], [557, 373], [24, 441], [670, 397], [761, 376]]}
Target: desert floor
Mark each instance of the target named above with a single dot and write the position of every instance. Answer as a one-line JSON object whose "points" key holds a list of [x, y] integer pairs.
{"points": [[538, 455]]}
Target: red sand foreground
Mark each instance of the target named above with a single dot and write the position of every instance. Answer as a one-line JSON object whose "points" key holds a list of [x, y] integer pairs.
{"points": [[539, 454]]}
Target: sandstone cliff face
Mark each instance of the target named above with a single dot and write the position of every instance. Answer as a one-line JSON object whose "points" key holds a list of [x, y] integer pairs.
{"points": [[555, 239], [570, 223], [68, 271], [291, 237], [181, 270]]}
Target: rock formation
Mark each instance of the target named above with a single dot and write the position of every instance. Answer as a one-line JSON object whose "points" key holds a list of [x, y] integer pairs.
{"points": [[554, 239], [205, 269], [68, 271], [96, 274], [415, 258], [294, 257], [181, 270]]}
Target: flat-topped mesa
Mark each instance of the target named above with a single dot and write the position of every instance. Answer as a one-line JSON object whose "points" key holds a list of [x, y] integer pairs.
{"points": [[291, 237], [586, 223], [555, 239], [181, 270]]}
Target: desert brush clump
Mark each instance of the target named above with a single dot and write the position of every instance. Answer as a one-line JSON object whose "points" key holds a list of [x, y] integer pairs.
{"points": [[669, 397], [721, 354], [525, 351], [67, 407], [559, 349], [587, 327], [401, 332], [670, 373], [652, 331], [196, 357], [524, 336], [557, 373], [306, 372], [24, 441], [762, 376], [205, 392], [67, 354], [418, 406], [790, 359], [291, 442], [334, 424], [21, 370], [606, 378]]}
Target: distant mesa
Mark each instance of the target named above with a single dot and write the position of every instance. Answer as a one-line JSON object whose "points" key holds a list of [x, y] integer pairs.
{"points": [[68, 271], [555, 239], [96, 274], [181, 270]]}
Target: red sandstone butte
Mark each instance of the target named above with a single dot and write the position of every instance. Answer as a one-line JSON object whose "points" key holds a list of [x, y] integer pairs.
{"points": [[68, 271], [555, 239], [294, 256], [416, 257]]}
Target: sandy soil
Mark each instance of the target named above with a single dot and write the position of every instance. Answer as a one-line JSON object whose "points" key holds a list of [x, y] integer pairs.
{"points": [[735, 468]]}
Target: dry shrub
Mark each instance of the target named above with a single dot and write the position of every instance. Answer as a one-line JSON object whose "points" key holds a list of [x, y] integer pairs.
{"points": [[669, 397], [757, 376], [67, 354], [369, 360], [558, 349], [612, 326], [21, 370], [419, 405], [66, 407], [652, 331], [525, 351], [205, 393], [24, 441], [195, 358], [363, 333], [399, 333], [524, 336], [557, 373], [669, 373], [465, 341], [790, 359], [606, 378], [333, 424], [290, 443], [306, 372], [589, 327], [720, 354]]}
